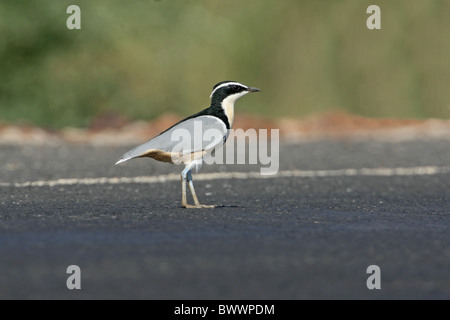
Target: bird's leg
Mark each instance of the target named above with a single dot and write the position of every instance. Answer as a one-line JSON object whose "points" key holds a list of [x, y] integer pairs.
{"points": [[194, 195], [183, 189], [191, 186]]}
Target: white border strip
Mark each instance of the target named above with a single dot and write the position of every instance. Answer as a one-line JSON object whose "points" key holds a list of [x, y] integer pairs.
{"points": [[378, 172]]}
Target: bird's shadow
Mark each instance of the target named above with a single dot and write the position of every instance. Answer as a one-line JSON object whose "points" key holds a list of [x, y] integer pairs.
{"points": [[221, 206], [224, 206]]}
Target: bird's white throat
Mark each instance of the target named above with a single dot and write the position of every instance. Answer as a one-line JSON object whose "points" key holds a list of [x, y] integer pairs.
{"points": [[228, 105]]}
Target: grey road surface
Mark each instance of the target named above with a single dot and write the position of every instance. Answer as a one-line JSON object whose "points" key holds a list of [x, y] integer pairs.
{"points": [[285, 237]]}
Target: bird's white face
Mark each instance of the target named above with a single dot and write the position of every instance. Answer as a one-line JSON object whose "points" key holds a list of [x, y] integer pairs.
{"points": [[226, 93], [228, 105]]}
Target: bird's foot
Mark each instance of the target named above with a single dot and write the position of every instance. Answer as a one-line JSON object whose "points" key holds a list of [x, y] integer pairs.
{"points": [[198, 206]]}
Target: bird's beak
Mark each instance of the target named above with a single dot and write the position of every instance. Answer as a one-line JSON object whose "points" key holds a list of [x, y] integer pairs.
{"points": [[251, 89]]}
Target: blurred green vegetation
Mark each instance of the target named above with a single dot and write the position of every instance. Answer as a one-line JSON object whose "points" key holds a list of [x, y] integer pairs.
{"points": [[143, 58]]}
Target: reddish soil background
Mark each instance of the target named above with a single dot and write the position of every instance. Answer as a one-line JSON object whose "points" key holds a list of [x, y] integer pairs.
{"points": [[112, 129]]}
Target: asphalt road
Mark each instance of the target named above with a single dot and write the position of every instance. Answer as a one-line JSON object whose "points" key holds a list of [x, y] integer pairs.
{"points": [[286, 237]]}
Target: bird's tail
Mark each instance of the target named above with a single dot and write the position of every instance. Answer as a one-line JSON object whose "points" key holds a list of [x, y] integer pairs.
{"points": [[123, 159]]}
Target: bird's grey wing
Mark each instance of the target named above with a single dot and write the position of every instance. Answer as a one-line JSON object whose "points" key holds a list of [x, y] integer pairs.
{"points": [[202, 133]]}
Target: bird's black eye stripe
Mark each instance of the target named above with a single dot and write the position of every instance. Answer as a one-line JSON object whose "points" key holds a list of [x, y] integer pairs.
{"points": [[235, 88]]}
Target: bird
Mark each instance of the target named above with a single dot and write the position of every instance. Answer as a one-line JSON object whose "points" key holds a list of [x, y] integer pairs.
{"points": [[219, 116]]}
